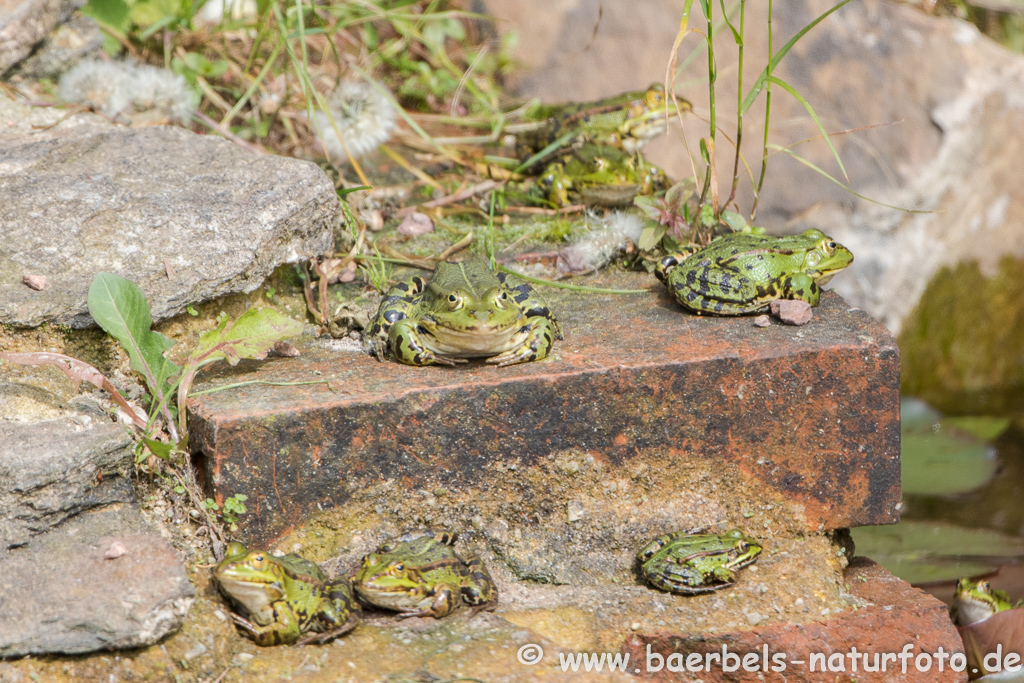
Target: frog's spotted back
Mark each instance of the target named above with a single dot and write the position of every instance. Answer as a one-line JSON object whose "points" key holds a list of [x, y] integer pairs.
{"points": [[741, 273]]}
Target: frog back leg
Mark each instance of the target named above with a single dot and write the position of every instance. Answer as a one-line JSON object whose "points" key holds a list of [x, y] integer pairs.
{"points": [[397, 305], [541, 326], [339, 613], [478, 589], [285, 629]]}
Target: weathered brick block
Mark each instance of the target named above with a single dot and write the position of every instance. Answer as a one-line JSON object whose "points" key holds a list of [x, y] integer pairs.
{"points": [[643, 418], [895, 615]]}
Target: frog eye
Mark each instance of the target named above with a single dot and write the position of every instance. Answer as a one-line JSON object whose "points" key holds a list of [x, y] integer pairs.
{"points": [[501, 300], [654, 97], [454, 301], [983, 587], [258, 561], [830, 247]]}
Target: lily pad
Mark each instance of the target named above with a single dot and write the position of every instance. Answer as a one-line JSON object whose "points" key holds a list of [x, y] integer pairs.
{"points": [[945, 456], [929, 552]]}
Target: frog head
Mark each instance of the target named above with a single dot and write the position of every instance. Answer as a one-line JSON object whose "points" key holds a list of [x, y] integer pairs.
{"points": [[254, 579], [387, 579], [744, 547], [646, 118], [823, 256], [467, 312], [977, 600]]}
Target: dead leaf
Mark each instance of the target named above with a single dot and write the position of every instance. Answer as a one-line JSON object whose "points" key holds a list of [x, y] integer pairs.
{"points": [[36, 282], [77, 371], [990, 639]]}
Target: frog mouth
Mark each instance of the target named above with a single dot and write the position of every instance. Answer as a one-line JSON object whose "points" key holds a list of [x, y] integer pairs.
{"points": [[477, 341]]}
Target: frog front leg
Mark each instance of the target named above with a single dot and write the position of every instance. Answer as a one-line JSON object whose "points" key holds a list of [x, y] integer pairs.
{"points": [[541, 328], [444, 602], [283, 630], [398, 304], [405, 340], [800, 286], [541, 333], [339, 613]]}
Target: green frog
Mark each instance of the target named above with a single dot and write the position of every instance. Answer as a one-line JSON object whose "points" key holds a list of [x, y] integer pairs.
{"points": [[465, 310], [977, 600], [419, 574], [742, 273], [285, 597], [628, 121], [600, 175], [689, 563]]}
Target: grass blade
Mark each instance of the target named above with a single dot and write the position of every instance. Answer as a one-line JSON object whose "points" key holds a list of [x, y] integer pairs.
{"points": [[755, 90], [810, 110], [840, 183]]}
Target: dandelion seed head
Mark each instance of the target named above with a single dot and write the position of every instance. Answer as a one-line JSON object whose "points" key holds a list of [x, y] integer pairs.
{"points": [[598, 247], [362, 116]]}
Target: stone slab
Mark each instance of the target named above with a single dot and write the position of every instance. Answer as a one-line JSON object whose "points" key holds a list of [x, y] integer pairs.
{"points": [[186, 217], [641, 408], [61, 595], [53, 469], [895, 615]]}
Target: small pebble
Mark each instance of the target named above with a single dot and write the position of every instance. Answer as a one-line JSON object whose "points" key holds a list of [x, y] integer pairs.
{"points": [[799, 604], [825, 612], [635, 626], [762, 321], [574, 510], [792, 311], [115, 550], [753, 618], [36, 282], [220, 615], [415, 223], [195, 651]]}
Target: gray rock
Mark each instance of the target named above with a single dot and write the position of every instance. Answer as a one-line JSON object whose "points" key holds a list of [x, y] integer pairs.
{"points": [[186, 217], [56, 468], [25, 23], [62, 596], [65, 45]]}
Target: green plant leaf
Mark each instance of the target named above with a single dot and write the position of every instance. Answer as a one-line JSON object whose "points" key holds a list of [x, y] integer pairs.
{"points": [[758, 86], [251, 336], [810, 110], [158, 448], [120, 308], [649, 205], [735, 221], [650, 237], [111, 13]]}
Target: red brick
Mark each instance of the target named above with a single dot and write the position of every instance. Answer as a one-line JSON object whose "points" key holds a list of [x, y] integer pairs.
{"points": [[807, 419], [896, 615]]}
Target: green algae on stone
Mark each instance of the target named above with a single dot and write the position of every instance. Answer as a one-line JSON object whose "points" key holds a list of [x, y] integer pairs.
{"points": [[961, 345]]}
